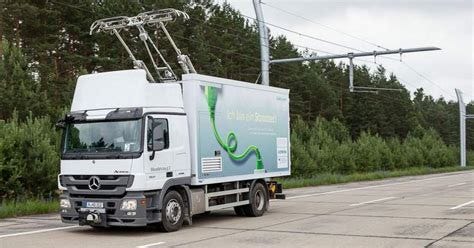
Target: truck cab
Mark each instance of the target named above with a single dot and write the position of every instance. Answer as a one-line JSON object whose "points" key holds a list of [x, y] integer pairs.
{"points": [[123, 138]]}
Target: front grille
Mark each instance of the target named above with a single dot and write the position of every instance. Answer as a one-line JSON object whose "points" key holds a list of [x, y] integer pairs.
{"points": [[110, 185], [103, 187], [101, 177]]}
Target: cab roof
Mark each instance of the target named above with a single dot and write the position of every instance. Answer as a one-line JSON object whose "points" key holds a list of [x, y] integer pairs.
{"points": [[124, 89]]}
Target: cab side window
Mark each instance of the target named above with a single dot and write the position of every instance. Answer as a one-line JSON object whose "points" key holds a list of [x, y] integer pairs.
{"points": [[152, 124]]}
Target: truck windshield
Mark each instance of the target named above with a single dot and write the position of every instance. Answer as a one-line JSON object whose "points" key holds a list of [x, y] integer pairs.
{"points": [[103, 137]]}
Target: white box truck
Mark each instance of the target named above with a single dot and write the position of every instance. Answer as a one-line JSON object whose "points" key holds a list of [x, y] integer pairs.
{"points": [[136, 153]]}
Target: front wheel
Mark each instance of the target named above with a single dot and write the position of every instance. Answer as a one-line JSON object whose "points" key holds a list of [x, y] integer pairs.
{"points": [[258, 197], [172, 214]]}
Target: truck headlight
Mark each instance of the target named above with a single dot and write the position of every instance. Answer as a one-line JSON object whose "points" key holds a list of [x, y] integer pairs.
{"points": [[65, 203], [129, 205]]}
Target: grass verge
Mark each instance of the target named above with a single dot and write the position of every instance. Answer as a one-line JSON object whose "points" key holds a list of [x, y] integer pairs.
{"points": [[326, 178], [28, 207]]}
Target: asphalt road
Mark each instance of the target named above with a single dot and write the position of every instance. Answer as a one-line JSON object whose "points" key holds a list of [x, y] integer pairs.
{"points": [[433, 211]]}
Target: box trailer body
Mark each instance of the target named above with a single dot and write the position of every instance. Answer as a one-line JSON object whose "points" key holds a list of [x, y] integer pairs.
{"points": [[135, 152], [250, 118]]}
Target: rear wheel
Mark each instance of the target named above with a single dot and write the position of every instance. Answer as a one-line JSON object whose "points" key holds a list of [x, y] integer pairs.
{"points": [[258, 197], [172, 212]]}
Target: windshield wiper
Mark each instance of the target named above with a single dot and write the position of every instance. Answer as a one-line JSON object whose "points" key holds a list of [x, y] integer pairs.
{"points": [[117, 149], [113, 155], [78, 150]]}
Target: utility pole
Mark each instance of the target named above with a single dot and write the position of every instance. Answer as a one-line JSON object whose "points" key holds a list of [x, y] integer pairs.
{"points": [[462, 126], [264, 44]]}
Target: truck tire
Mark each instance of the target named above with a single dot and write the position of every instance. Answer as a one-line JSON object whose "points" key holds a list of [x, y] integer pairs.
{"points": [[172, 212], [258, 197]]}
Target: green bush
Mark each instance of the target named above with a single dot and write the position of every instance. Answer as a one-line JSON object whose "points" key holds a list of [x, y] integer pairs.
{"points": [[29, 158], [371, 153], [325, 147], [469, 158]]}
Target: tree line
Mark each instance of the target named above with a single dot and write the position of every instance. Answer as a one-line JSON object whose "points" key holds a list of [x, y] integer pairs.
{"points": [[45, 45]]}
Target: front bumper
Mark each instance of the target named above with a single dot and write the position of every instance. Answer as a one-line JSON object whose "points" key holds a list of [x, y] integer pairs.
{"points": [[110, 214]]}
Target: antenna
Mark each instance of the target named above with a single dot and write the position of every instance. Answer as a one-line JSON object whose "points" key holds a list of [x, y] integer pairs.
{"points": [[156, 18]]}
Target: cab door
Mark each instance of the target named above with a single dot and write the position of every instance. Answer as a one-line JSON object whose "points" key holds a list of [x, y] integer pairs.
{"points": [[166, 149]]}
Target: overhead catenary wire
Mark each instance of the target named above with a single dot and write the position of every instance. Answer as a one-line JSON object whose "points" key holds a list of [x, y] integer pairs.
{"points": [[258, 59], [335, 87], [388, 58], [318, 50], [238, 36], [76, 7], [369, 96], [325, 26], [239, 31], [418, 74], [306, 35], [294, 44], [426, 78], [245, 55], [334, 43], [288, 30], [309, 36]]}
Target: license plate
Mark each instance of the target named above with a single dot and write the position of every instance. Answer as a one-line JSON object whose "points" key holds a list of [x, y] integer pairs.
{"points": [[89, 204], [88, 210]]}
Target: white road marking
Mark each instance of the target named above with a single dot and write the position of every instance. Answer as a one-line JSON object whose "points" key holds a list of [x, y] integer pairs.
{"points": [[37, 231], [457, 184], [292, 197], [368, 202], [462, 205], [369, 187], [150, 245]]}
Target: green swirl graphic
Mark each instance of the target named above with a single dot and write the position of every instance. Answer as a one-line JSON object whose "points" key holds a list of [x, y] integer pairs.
{"points": [[230, 145]]}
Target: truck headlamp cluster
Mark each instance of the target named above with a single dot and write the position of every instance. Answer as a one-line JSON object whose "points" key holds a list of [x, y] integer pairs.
{"points": [[129, 205], [65, 203]]}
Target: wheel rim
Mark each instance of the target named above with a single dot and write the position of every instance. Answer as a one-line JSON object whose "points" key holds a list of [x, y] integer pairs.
{"points": [[259, 200], [173, 211]]}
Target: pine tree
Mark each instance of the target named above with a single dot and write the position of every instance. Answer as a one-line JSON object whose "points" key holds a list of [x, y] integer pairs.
{"points": [[18, 88]]}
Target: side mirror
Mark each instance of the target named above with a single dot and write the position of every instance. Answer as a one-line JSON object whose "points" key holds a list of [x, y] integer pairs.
{"points": [[61, 124], [157, 135], [158, 138]]}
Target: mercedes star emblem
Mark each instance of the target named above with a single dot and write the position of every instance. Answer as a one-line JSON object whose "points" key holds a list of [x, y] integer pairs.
{"points": [[94, 183]]}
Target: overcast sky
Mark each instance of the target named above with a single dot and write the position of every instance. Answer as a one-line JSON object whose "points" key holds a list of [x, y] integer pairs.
{"points": [[394, 24]]}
